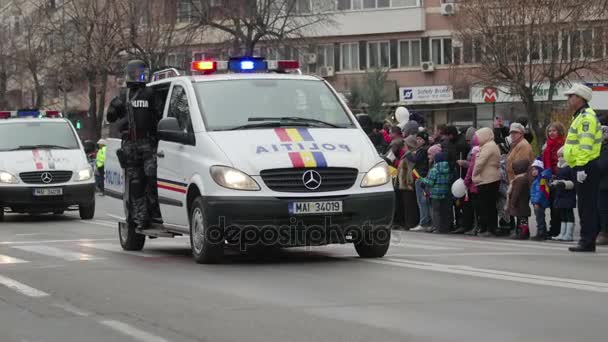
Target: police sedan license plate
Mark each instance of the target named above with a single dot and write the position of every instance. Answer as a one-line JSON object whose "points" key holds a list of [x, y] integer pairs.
{"points": [[48, 192], [312, 208]]}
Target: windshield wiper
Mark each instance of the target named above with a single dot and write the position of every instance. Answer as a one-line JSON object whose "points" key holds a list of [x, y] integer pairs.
{"points": [[255, 125], [297, 119], [33, 147]]}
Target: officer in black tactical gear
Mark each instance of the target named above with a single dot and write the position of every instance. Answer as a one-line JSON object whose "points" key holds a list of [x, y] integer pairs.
{"points": [[135, 110]]}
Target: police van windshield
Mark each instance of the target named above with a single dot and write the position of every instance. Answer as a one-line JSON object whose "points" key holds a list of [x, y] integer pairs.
{"points": [[15, 136], [247, 103]]}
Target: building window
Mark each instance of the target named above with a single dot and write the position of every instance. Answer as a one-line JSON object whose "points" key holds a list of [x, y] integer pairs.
{"points": [[303, 6], [325, 56], [378, 55], [347, 5], [176, 60], [184, 11], [441, 51], [409, 53], [350, 57]]}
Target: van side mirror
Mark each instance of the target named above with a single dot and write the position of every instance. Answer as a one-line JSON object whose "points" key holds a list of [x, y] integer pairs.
{"points": [[169, 130]]}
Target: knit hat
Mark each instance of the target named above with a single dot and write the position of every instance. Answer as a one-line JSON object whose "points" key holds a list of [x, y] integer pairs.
{"points": [[424, 135], [538, 164], [433, 150], [470, 133], [411, 142], [517, 127], [410, 128]]}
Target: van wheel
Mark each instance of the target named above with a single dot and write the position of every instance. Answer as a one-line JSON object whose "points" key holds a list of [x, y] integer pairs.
{"points": [[87, 211], [374, 245], [129, 239], [207, 246]]}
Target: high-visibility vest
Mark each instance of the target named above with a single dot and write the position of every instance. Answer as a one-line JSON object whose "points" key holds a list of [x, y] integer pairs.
{"points": [[584, 140], [101, 157]]}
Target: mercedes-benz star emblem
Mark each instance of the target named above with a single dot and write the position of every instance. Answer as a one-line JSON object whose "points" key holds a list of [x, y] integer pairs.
{"points": [[311, 179], [46, 177]]}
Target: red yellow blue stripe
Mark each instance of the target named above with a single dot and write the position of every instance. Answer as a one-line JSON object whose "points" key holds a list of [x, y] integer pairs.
{"points": [[293, 134], [172, 185], [307, 159]]}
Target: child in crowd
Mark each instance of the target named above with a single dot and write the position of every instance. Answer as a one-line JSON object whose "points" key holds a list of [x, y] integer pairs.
{"points": [[518, 199], [439, 181], [540, 197], [564, 197]]}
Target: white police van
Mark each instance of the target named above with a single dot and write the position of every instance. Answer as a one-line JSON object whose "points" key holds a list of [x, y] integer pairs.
{"points": [[43, 166], [254, 157]]}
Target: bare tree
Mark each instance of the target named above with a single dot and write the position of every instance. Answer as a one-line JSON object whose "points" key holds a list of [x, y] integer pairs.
{"points": [[526, 45], [150, 33], [32, 46], [6, 64], [249, 22]]}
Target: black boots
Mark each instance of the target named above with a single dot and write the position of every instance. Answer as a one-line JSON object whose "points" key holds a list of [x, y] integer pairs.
{"points": [[583, 248]]}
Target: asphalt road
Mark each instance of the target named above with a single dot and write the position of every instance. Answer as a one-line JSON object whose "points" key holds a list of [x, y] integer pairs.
{"points": [[63, 279]]}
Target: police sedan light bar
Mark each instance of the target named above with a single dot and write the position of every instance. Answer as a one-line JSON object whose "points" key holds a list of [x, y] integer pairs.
{"points": [[53, 114], [204, 66], [247, 64], [28, 114]]}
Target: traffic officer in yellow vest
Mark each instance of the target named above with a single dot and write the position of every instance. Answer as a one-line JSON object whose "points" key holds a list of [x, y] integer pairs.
{"points": [[100, 163], [582, 152]]}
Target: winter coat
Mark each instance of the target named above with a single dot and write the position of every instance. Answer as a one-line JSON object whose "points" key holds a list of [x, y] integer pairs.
{"points": [[539, 191], [404, 175], [521, 151], [603, 164], [562, 198], [439, 179], [550, 158], [488, 159], [500, 138], [468, 179], [518, 197], [420, 160]]}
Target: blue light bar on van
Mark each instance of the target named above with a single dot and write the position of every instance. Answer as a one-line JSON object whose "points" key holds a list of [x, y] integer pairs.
{"points": [[28, 114], [247, 64]]}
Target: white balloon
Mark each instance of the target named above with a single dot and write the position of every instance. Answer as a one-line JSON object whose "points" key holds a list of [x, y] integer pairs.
{"points": [[459, 190], [402, 115]]}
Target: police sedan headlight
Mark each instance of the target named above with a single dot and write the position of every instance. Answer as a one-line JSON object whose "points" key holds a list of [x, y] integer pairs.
{"points": [[233, 179], [377, 176], [84, 174], [8, 178]]}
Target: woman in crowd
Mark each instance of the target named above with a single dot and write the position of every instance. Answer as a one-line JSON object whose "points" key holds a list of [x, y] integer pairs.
{"points": [[555, 140], [470, 228], [520, 149], [407, 184], [487, 179]]}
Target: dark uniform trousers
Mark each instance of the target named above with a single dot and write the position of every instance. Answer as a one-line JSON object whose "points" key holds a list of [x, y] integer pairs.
{"points": [[142, 198], [587, 193]]}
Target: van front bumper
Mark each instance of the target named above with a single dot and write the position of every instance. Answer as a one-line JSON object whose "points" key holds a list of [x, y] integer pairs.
{"points": [[22, 199], [267, 221]]}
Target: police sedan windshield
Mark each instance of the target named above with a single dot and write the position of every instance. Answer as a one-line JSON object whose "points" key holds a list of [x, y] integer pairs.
{"points": [[31, 135], [259, 103]]}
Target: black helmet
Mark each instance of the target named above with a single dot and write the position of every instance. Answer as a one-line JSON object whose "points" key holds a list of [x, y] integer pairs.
{"points": [[137, 72]]}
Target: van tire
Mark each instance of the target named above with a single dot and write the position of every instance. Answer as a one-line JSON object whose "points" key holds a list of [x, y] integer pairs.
{"points": [[87, 211], [129, 239], [373, 248], [204, 251]]}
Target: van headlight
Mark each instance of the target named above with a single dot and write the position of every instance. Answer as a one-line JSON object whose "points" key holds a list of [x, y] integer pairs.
{"points": [[233, 179], [378, 175], [8, 178], [84, 174]]}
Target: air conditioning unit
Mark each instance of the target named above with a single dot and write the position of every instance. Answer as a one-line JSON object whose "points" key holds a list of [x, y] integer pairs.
{"points": [[326, 71], [448, 9], [427, 67], [310, 58]]}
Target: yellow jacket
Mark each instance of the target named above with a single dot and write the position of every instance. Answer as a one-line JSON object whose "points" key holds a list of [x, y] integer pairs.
{"points": [[101, 157], [584, 140]]}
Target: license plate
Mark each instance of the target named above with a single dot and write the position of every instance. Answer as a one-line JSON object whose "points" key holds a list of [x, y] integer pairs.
{"points": [[48, 192], [312, 208]]}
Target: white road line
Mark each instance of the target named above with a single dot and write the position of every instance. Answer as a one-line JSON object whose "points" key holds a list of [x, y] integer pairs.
{"points": [[117, 249], [72, 309], [104, 224], [470, 254], [135, 333], [36, 242], [497, 274], [57, 253], [423, 246], [28, 234], [21, 288], [5, 259], [487, 242]]}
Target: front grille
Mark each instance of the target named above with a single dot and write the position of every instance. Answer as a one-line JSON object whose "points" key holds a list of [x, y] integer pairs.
{"points": [[36, 177], [290, 180]]}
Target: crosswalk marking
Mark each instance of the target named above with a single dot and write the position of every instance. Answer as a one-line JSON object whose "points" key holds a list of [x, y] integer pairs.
{"points": [[57, 253], [5, 259], [21, 288], [117, 249]]}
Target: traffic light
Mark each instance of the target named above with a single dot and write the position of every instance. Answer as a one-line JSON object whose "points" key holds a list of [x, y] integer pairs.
{"points": [[78, 125]]}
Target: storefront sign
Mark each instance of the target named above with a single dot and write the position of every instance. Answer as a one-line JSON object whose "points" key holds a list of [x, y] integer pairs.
{"points": [[503, 94], [432, 94]]}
